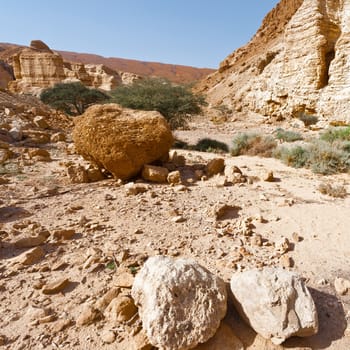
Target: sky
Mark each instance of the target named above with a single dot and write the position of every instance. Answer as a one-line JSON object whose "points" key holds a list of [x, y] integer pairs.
{"points": [[199, 33]]}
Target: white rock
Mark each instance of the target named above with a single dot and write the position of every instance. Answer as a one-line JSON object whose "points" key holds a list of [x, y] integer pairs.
{"points": [[180, 303], [275, 302]]}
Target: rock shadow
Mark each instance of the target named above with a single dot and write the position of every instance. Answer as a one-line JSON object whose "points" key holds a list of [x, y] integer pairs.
{"points": [[8, 214]]}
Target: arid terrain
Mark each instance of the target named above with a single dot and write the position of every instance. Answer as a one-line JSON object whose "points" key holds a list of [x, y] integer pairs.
{"points": [[93, 237]]}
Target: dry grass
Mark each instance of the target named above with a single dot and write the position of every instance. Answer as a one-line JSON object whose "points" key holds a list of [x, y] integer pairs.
{"points": [[336, 191]]}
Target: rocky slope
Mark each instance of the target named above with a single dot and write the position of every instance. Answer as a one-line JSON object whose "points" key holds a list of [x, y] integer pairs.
{"points": [[296, 63]]}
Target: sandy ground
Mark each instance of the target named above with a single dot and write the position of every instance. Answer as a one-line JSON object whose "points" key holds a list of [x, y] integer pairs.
{"points": [[116, 231]]}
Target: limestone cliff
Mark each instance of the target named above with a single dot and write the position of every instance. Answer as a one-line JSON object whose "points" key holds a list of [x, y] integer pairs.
{"points": [[298, 62], [37, 67], [6, 74]]}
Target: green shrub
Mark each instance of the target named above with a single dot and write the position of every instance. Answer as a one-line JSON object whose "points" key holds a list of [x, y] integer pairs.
{"points": [[338, 133], [175, 102], [253, 145], [287, 135], [308, 119], [210, 145], [296, 157], [72, 98]]}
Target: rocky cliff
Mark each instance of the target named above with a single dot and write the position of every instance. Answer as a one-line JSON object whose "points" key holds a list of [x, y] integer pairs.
{"points": [[298, 62], [37, 67], [6, 74]]}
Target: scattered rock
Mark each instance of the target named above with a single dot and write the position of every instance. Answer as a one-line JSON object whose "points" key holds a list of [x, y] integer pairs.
{"points": [[342, 286], [29, 242], [173, 297], [268, 176], [124, 279], [41, 122], [64, 234], [88, 316], [77, 174], [225, 211], [39, 154], [31, 256], [106, 299], [155, 173], [56, 286], [134, 189], [174, 178], [176, 159], [215, 166], [108, 337], [58, 137], [121, 309], [275, 302]]}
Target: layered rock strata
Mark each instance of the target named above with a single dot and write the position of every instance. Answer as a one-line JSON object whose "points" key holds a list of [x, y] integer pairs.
{"points": [[297, 63]]}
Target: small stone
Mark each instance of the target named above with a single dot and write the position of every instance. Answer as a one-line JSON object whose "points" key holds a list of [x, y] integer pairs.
{"points": [[296, 237], [225, 211], [134, 189], [121, 309], [88, 316], [106, 299], [57, 137], [268, 176], [282, 246], [55, 286], [64, 234], [286, 261], [3, 340], [155, 173], [174, 177], [215, 166], [256, 240], [177, 160], [61, 324], [108, 337], [178, 219], [342, 286], [77, 174], [29, 242], [41, 122], [124, 280], [31, 256]]}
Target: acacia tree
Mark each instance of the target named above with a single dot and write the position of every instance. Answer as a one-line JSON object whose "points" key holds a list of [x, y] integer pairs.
{"points": [[175, 102], [72, 98]]}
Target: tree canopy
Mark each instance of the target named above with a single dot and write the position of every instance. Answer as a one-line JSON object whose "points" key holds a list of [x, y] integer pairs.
{"points": [[175, 102], [72, 98]]}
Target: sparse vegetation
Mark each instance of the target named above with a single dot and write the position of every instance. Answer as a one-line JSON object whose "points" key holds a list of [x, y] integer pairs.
{"points": [[253, 145], [175, 102], [296, 157], [337, 133], [210, 145], [287, 135], [336, 191], [307, 119], [72, 98]]}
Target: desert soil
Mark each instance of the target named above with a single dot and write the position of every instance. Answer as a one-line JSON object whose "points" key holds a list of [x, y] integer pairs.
{"points": [[115, 232]]}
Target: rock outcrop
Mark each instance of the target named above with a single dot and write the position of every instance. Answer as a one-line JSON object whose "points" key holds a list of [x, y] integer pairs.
{"points": [[121, 140], [297, 63], [37, 67], [181, 304], [276, 303], [6, 74]]}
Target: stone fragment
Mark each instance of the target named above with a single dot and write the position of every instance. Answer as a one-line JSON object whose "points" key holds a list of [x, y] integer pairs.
{"points": [[268, 176], [106, 299], [138, 341], [31, 256], [180, 303], [155, 173], [57, 137], [282, 246], [29, 242], [134, 189], [121, 309], [56, 286], [88, 316], [39, 154], [64, 234], [342, 286], [174, 178], [77, 174], [215, 166], [176, 159], [41, 122], [121, 140], [108, 337], [225, 211], [124, 279], [275, 302]]}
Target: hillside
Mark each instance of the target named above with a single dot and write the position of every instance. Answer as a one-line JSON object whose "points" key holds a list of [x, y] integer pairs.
{"points": [[173, 72]]}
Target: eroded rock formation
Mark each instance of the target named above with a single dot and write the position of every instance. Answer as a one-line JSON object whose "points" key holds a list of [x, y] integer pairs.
{"points": [[37, 67], [6, 74], [298, 62]]}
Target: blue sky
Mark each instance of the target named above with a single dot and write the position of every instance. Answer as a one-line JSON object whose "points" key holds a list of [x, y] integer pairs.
{"points": [[198, 33]]}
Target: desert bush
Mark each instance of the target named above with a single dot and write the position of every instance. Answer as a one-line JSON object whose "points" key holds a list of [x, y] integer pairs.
{"points": [[287, 135], [210, 145], [328, 158], [175, 102], [307, 119], [72, 98], [297, 157], [337, 133], [336, 191], [253, 145]]}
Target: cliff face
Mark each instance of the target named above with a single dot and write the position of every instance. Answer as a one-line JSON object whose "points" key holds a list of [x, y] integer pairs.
{"points": [[6, 74], [37, 67], [298, 61]]}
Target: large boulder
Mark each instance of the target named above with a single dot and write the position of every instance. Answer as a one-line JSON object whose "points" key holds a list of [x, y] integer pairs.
{"points": [[275, 302], [121, 140], [180, 303]]}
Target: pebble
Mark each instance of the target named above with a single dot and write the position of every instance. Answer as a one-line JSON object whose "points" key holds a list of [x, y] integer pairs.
{"points": [[108, 337], [342, 286], [55, 286]]}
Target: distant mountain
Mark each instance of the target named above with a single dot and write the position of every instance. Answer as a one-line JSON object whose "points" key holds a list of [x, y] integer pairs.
{"points": [[173, 72]]}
